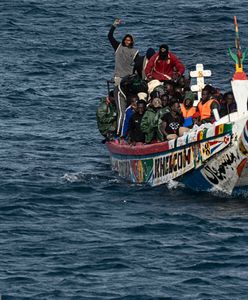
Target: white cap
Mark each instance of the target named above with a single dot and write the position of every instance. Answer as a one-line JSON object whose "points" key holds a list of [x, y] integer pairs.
{"points": [[153, 84], [142, 96]]}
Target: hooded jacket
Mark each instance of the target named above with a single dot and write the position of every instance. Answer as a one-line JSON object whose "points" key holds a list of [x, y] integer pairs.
{"points": [[163, 69], [106, 117], [149, 125], [124, 56]]}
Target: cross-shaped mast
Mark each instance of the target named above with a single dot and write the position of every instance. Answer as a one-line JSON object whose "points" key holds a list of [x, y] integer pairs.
{"points": [[199, 74]]}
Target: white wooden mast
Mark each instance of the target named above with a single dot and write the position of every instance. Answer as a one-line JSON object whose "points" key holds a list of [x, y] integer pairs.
{"points": [[199, 74]]}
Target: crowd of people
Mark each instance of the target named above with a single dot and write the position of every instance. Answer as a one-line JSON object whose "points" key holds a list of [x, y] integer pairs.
{"points": [[151, 100]]}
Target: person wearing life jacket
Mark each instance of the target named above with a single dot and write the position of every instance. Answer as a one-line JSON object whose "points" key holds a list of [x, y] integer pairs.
{"points": [[187, 109], [125, 53], [208, 107], [164, 65]]}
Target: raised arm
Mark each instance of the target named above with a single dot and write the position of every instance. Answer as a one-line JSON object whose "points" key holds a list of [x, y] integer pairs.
{"points": [[111, 38]]}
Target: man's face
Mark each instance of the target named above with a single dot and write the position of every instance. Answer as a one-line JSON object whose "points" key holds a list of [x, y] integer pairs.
{"points": [[188, 103], [169, 88], [176, 107], [134, 103], [205, 95], [229, 99], [164, 100], [163, 53], [140, 108], [127, 41]]}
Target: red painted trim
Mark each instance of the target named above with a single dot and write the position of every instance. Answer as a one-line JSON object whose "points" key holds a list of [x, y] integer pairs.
{"points": [[239, 76], [139, 149]]}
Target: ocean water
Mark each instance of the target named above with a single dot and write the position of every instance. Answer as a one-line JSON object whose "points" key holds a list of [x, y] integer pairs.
{"points": [[69, 227]]}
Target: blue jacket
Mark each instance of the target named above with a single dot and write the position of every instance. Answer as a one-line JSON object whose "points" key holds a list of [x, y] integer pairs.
{"points": [[128, 114]]}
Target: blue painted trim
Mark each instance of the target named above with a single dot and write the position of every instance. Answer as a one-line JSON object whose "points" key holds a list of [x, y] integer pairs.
{"points": [[195, 180]]}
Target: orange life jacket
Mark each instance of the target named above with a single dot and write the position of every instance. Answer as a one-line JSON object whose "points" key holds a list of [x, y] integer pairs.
{"points": [[205, 109], [187, 112]]}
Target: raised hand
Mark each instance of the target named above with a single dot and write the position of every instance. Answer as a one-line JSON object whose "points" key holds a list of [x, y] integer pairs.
{"points": [[117, 22]]}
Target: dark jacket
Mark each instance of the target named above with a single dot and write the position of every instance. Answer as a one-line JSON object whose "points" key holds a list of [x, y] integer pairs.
{"points": [[173, 123], [135, 132]]}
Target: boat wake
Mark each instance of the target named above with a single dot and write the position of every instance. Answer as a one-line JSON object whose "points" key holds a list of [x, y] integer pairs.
{"points": [[80, 177]]}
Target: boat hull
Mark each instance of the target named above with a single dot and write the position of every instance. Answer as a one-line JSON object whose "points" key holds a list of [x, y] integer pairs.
{"points": [[211, 159]]}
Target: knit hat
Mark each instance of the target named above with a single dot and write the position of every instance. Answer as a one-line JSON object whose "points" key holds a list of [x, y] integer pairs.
{"points": [[189, 95], [156, 102], [152, 84], [163, 51]]}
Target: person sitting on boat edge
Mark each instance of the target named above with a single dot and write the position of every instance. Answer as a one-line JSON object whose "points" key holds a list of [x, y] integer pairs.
{"points": [[228, 104], [135, 134], [125, 53], [163, 64], [208, 106], [149, 122], [141, 63], [106, 116], [130, 110], [172, 122], [188, 110]]}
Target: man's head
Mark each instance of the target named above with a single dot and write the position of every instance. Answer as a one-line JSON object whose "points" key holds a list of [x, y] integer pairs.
{"points": [[149, 53], [206, 93], [189, 99], [175, 105], [169, 87], [163, 51], [156, 103], [133, 101], [141, 106], [111, 97], [165, 100], [229, 98], [128, 41]]}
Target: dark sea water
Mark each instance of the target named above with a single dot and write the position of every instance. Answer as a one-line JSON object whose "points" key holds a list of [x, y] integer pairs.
{"points": [[69, 227]]}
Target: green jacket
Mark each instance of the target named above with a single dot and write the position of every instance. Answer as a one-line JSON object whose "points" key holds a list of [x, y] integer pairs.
{"points": [[158, 121], [106, 117], [149, 125]]}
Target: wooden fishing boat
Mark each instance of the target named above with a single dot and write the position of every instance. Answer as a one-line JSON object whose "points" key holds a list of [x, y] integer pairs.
{"points": [[209, 157]]}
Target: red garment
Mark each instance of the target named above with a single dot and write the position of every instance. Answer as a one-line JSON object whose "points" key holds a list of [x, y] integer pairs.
{"points": [[163, 69]]}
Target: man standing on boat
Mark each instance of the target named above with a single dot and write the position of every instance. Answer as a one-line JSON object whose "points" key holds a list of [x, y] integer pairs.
{"points": [[164, 65], [125, 56]]}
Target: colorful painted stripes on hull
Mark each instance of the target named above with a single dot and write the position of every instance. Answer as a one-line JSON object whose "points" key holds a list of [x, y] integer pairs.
{"points": [[141, 149]]}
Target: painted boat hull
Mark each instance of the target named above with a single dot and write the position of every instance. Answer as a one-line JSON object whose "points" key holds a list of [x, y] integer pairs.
{"points": [[210, 159]]}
